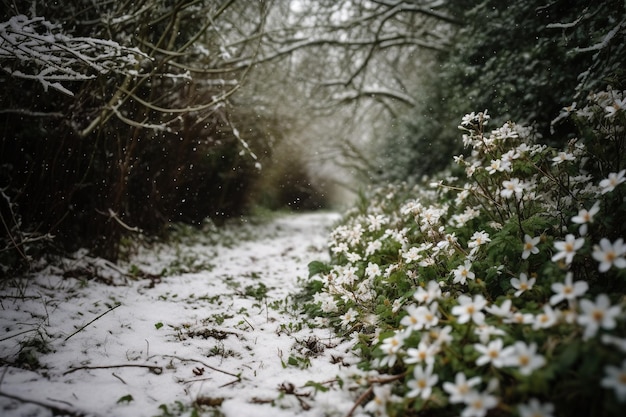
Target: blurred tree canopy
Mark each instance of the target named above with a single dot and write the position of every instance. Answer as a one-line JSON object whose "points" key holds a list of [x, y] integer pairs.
{"points": [[522, 61]]}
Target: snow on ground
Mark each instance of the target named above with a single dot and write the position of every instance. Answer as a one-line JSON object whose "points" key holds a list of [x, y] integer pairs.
{"points": [[223, 335]]}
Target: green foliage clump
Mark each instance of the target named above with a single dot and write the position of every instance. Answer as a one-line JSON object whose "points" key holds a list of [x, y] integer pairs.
{"points": [[498, 291]]}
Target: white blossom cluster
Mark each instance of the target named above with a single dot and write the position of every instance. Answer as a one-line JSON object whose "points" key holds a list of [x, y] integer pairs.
{"points": [[484, 278]]}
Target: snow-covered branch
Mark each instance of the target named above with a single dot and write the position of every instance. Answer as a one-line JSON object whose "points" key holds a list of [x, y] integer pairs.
{"points": [[34, 48]]}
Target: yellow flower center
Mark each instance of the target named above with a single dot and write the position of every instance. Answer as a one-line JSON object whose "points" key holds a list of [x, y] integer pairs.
{"points": [[597, 315], [524, 360], [477, 404]]}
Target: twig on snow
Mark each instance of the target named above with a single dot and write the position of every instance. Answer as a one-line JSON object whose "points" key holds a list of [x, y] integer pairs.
{"points": [[119, 377], [18, 334], [359, 400], [370, 389], [81, 329], [238, 376], [157, 370], [54, 408]]}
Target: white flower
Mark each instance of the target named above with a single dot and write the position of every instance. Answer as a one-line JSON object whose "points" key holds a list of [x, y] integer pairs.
{"points": [[585, 217], [390, 347], [568, 290], [353, 257], [567, 248], [597, 315], [347, 275], [618, 342], [525, 357], [478, 404], [376, 222], [530, 246], [424, 352], [499, 165], [378, 405], [395, 307], [349, 317], [520, 318], [413, 254], [461, 388], [429, 316], [522, 284], [615, 107], [562, 157], [431, 293], [421, 317], [470, 309], [503, 311], [485, 331], [610, 254], [462, 273], [412, 320], [615, 378], [546, 319], [479, 238], [535, 409], [493, 353], [422, 382], [372, 270], [614, 179], [327, 301], [373, 247], [468, 119], [512, 187], [440, 337]]}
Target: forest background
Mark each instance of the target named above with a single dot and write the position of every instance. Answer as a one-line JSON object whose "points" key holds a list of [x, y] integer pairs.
{"points": [[127, 117]]}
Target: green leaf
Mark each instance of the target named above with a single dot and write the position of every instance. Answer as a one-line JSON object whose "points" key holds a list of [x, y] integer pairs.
{"points": [[125, 399], [316, 385], [158, 325], [317, 267]]}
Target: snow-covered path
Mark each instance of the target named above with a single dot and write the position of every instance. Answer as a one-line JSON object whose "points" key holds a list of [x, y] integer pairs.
{"points": [[222, 338]]}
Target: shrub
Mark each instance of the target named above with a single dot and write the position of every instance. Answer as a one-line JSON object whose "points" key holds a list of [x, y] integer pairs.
{"points": [[499, 292]]}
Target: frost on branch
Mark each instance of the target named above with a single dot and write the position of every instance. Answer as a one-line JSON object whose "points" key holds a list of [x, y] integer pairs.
{"points": [[36, 49]]}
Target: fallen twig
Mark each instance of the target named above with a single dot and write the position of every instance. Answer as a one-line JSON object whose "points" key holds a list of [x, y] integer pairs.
{"points": [[56, 410], [157, 370], [79, 330], [359, 400], [17, 334], [201, 363], [119, 377], [370, 389]]}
